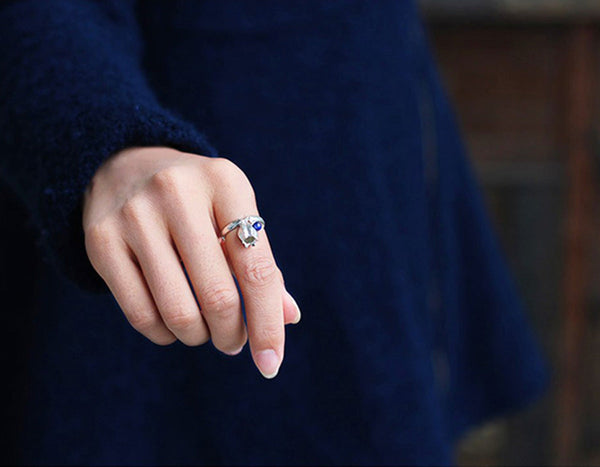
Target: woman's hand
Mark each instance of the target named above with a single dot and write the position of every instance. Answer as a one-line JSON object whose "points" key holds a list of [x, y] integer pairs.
{"points": [[147, 211]]}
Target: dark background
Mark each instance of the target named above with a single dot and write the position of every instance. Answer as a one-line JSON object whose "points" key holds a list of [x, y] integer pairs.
{"points": [[524, 78]]}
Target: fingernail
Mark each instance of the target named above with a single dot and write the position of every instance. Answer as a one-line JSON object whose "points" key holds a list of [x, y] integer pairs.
{"points": [[298, 314], [268, 363]]}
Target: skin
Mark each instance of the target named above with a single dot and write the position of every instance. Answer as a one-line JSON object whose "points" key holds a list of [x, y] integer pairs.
{"points": [[150, 213]]}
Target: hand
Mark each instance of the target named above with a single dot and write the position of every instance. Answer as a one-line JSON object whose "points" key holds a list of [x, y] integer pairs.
{"points": [[147, 211]]}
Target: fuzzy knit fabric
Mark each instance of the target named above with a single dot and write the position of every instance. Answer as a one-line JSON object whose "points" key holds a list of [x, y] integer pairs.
{"points": [[412, 330]]}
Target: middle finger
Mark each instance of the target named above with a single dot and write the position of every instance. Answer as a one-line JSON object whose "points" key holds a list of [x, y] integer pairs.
{"points": [[199, 248]]}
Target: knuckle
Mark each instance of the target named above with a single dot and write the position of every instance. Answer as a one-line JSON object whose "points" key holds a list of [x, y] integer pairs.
{"points": [[195, 340], [167, 180], [232, 348], [226, 172], [260, 270], [204, 338], [180, 320], [100, 242], [143, 322], [134, 210], [164, 341], [99, 234], [225, 166], [221, 300], [170, 185]]}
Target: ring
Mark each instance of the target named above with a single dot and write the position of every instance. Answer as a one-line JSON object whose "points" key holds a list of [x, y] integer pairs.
{"points": [[248, 228]]}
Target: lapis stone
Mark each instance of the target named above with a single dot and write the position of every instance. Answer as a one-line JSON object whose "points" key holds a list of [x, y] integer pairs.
{"points": [[257, 225]]}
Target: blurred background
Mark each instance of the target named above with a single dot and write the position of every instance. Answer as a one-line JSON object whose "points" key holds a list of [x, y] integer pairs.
{"points": [[524, 76]]}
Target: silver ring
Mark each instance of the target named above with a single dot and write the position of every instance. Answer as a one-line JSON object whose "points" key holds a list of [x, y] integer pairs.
{"points": [[248, 228]]}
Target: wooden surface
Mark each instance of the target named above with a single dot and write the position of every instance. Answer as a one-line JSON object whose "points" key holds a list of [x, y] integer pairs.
{"points": [[580, 96], [512, 10], [526, 94]]}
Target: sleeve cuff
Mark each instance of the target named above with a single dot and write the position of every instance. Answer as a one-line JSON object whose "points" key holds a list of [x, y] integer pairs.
{"points": [[59, 217]]}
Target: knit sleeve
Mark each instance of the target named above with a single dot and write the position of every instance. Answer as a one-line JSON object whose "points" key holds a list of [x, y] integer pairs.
{"points": [[73, 92]]}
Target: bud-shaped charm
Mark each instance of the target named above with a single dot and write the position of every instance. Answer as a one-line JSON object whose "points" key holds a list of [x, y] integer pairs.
{"points": [[247, 228], [248, 234]]}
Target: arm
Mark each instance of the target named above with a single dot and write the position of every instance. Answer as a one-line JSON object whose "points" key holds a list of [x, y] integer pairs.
{"points": [[72, 92], [74, 99]]}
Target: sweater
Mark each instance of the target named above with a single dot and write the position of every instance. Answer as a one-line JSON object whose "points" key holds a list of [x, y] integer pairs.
{"points": [[412, 328]]}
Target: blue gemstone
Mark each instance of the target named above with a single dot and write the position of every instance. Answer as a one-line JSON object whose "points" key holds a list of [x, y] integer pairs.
{"points": [[257, 226]]}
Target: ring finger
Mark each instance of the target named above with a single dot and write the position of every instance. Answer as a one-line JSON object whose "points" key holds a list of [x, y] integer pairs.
{"points": [[167, 282], [194, 235]]}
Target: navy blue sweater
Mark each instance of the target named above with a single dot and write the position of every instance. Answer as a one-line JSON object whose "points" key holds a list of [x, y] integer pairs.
{"points": [[412, 330]]}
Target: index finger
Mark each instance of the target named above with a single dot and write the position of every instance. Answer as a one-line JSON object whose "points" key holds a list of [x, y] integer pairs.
{"points": [[261, 287]]}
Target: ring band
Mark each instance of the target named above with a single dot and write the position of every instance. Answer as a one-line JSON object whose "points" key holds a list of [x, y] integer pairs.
{"points": [[248, 228]]}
